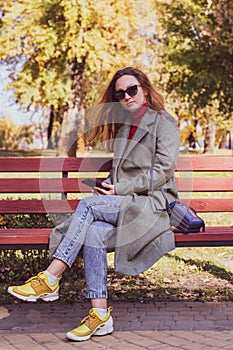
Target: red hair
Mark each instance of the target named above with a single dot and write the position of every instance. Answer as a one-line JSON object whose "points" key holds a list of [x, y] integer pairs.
{"points": [[109, 114]]}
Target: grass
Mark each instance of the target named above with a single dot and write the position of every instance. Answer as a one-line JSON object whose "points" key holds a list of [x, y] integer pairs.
{"points": [[196, 274], [190, 274]]}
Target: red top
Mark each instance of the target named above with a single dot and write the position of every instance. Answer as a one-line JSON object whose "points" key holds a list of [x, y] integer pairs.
{"points": [[137, 116]]}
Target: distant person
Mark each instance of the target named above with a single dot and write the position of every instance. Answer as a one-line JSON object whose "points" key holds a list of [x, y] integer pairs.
{"points": [[50, 127], [128, 214], [192, 141]]}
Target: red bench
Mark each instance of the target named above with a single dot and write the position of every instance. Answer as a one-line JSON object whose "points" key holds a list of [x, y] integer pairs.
{"points": [[56, 179]]}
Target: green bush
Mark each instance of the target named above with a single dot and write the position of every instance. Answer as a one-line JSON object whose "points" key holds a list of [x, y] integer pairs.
{"points": [[27, 220], [18, 266]]}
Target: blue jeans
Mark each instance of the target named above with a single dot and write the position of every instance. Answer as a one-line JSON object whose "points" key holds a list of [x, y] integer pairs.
{"points": [[92, 228]]}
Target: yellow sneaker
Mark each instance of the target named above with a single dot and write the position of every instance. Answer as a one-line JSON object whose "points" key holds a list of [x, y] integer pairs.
{"points": [[93, 324], [37, 287]]}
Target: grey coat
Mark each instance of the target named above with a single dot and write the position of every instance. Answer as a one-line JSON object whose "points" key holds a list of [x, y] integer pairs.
{"points": [[143, 230]]}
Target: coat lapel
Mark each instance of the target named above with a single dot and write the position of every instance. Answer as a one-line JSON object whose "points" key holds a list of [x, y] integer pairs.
{"points": [[120, 143], [141, 131]]}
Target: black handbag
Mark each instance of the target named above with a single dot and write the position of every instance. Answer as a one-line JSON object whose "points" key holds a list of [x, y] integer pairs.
{"points": [[182, 217]]}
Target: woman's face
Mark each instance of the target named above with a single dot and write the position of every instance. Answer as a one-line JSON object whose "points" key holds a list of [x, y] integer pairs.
{"points": [[128, 85]]}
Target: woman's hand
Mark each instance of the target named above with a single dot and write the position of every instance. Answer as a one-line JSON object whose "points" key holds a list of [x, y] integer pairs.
{"points": [[110, 191]]}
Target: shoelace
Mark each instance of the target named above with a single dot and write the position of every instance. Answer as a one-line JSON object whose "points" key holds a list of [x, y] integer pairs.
{"points": [[88, 319], [35, 280], [92, 315]]}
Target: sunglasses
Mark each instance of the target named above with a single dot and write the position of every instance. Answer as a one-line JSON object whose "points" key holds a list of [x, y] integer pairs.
{"points": [[131, 91]]}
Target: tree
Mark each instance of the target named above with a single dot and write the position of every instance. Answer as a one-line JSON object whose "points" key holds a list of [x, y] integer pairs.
{"points": [[11, 135], [198, 51], [68, 49]]}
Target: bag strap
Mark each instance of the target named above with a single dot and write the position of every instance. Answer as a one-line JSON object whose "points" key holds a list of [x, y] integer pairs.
{"points": [[152, 181], [161, 189], [166, 199]]}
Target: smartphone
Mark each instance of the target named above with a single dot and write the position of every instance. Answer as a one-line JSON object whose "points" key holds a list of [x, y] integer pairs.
{"points": [[94, 183]]}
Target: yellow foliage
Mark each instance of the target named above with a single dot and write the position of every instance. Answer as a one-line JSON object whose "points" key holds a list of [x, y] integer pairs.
{"points": [[10, 134], [49, 34], [184, 133]]}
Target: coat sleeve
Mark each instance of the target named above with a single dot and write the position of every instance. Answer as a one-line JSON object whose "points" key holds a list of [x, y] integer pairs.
{"points": [[167, 150]]}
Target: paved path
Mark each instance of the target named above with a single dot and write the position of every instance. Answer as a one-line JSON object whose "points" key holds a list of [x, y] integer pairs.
{"points": [[138, 326]]}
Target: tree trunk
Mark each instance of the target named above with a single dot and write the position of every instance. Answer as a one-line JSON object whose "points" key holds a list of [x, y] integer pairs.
{"points": [[72, 127], [210, 137], [81, 129], [67, 144], [230, 140], [224, 143], [50, 128]]}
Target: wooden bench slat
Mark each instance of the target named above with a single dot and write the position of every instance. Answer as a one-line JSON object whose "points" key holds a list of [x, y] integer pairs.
{"points": [[42, 185], [205, 205], [213, 237], [205, 163], [34, 206], [25, 236], [208, 205], [55, 185], [73, 185], [205, 184], [55, 164], [41, 236], [216, 233], [185, 163]]}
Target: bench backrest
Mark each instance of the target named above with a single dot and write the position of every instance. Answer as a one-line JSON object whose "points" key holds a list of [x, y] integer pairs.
{"points": [[55, 183]]}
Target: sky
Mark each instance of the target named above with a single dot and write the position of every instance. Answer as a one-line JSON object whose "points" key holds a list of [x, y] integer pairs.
{"points": [[8, 107]]}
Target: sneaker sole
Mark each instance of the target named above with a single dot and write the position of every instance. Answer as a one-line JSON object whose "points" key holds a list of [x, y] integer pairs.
{"points": [[45, 297], [103, 329]]}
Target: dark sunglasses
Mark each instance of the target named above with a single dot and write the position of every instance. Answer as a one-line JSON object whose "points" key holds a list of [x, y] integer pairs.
{"points": [[131, 91]]}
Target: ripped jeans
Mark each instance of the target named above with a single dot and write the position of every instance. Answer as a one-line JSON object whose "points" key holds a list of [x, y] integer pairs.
{"points": [[92, 228]]}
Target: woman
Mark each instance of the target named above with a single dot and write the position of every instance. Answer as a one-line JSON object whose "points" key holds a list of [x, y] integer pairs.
{"points": [[128, 214]]}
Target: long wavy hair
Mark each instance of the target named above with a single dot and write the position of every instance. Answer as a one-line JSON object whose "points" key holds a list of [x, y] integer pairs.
{"points": [[109, 115]]}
